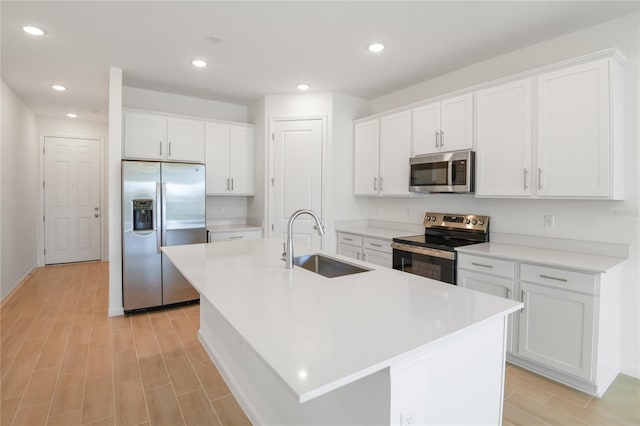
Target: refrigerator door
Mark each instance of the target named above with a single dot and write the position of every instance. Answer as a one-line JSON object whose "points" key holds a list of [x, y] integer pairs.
{"points": [[184, 222], [141, 256]]}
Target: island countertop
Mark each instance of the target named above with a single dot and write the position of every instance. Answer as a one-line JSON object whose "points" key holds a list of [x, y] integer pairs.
{"points": [[318, 334]]}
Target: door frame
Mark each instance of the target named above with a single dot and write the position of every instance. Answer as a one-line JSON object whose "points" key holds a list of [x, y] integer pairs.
{"points": [[104, 255], [323, 171]]}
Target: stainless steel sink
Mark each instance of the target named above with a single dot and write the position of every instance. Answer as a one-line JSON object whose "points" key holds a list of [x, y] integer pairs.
{"points": [[327, 266]]}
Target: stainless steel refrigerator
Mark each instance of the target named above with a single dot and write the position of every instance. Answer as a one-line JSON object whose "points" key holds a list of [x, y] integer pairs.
{"points": [[163, 204]]}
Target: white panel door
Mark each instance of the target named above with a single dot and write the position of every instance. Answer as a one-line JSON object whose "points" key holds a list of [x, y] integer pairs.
{"points": [[241, 160], [366, 155], [145, 136], [297, 178], [185, 140], [426, 129], [217, 158], [72, 200], [573, 131], [456, 123], [503, 140], [395, 150]]}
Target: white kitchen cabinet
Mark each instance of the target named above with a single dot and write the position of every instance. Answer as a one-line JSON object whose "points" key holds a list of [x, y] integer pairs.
{"points": [[491, 276], [579, 131], [381, 157], [368, 249], [162, 138], [503, 140], [443, 126], [229, 159], [235, 234]]}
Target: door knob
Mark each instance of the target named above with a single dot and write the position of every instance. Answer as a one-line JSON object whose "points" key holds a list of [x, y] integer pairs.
{"points": [[96, 208], [96, 215]]}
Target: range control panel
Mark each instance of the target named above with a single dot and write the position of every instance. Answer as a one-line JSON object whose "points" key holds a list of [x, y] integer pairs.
{"points": [[458, 221]]}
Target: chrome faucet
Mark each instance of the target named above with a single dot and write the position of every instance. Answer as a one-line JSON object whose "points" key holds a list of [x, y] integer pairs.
{"points": [[289, 250]]}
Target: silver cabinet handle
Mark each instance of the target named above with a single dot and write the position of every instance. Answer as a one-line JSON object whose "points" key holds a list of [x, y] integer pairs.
{"points": [[358, 255], [227, 184], [381, 183], [376, 245], [526, 172], [160, 144], [441, 138], [347, 239], [564, 280], [236, 237], [232, 184], [481, 265], [539, 178], [169, 153], [375, 183], [522, 300], [437, 134], [508, 293]]}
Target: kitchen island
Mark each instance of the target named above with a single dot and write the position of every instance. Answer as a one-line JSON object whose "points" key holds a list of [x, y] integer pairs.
{"points": [[376, 347]]}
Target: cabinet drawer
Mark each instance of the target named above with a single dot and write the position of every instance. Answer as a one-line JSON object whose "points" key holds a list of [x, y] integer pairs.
{"points": [[488, 265], [377, 244], [354, 240], [559, 278], [252, 234]]}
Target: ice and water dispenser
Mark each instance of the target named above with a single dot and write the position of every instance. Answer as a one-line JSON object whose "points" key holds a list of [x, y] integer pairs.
{"points": [[143, 215]]}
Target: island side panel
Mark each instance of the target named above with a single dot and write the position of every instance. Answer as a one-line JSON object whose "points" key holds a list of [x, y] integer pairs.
{"points": [[266, 399], [458, 381]]}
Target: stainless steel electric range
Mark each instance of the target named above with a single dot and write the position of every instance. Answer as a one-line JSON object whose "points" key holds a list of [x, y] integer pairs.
{"points": [[433, 254]]}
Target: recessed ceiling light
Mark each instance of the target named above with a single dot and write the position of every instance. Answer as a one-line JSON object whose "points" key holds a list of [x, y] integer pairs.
{"points": [[72, 115], [215, 39], [33, 30], [199, 63], [58, 87], [376, 47], [303, 86]]}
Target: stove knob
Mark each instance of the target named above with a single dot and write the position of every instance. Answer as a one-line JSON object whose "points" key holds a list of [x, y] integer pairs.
{"points": [[428, 218], [467, 221], [474, 221], [481, 222], [433, 219]]}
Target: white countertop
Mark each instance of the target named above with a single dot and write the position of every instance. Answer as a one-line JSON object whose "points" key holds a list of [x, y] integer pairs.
{"points": [[384, 233], [563, 259], [318, 333]]}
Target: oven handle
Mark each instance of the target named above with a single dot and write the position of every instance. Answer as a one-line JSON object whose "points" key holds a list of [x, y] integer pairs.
{"points": [[424, 250]]}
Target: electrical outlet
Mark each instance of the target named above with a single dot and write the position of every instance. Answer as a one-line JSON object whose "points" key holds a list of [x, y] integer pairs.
{"points": [[549, 221], [406, 420]]}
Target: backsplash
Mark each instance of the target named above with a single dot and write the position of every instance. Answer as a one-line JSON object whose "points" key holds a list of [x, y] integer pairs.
{"points": [[226, 208]]}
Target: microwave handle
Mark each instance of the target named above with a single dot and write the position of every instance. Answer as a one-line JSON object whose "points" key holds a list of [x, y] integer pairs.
{"points": [[450, 172]]}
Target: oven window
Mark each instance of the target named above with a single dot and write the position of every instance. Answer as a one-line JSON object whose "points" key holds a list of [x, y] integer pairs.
{"points": [[429, 174], [426, 266]]}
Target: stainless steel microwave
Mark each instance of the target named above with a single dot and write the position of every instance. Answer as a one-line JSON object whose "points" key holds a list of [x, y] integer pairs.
{"points": [[452, 172]]}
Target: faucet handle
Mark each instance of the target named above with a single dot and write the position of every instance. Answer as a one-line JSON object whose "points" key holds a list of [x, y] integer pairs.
{"points": [[284, 251], [315, 227]]}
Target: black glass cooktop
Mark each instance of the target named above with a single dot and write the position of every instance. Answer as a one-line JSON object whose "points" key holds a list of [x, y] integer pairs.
{"points": [[434, 241]]}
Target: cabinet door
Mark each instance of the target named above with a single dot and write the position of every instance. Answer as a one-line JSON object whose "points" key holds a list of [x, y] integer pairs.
{"points": [[241, 160], [217, 158], [185, 140], [426, 128], [456, 123], [556, 329], [145, 136], [349, 251], [378, 258], [503, 140], [501, 287], [366, 141], [395, 150], [573, 131]]}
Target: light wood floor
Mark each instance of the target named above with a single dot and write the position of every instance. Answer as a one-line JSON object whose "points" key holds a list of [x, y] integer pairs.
{"points": [[64, 362]]}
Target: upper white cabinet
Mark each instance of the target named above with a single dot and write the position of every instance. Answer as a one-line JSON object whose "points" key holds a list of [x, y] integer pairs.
{"points": [[229, 159], [382, 151], [162, 138], [443, 126], [503, 140], [576, 136]]}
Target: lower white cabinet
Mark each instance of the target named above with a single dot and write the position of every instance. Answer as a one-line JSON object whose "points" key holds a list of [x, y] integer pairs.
{"points": [[568, 329], [368, 249]]}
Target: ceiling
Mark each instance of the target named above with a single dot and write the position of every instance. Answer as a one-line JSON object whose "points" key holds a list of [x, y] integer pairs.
{"points": [[267, 47]]}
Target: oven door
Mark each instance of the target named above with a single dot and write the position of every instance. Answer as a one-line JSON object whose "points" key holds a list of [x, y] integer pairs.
{"points": [[439, 265]]}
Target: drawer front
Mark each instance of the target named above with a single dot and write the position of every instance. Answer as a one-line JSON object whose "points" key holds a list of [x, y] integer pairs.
{"points": [[351, 239], [236, 235], [559, 278], [377, 244], [487, 265]]}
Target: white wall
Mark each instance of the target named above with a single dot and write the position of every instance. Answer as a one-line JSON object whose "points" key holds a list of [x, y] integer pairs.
{"points": [[257, 205], [608, 221], [19, 190], [74, 128], [231, 209], [186, 105]]}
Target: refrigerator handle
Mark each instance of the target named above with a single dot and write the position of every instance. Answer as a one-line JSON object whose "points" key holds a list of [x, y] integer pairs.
{"points": [[158, 219], [164, 214]]}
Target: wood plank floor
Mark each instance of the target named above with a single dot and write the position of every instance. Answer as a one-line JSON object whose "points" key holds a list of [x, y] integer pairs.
{"points": [[64, 362]]}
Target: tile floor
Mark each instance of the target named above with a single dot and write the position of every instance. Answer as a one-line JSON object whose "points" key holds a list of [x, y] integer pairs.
{"points": [[63, 361]]}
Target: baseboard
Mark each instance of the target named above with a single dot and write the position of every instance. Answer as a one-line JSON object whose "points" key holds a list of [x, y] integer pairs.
{"points": [[115, 312], [630, 370], [15, 289]]}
